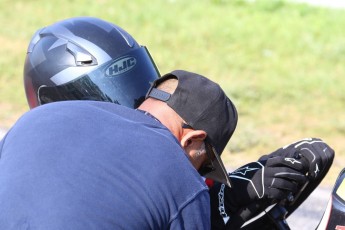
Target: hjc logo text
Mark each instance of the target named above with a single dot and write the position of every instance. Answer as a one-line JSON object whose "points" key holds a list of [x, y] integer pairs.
{"points": [[121, 66]]}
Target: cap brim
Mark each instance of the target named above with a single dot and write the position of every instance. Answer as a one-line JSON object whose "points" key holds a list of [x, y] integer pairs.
{"points": [[219, 174]]}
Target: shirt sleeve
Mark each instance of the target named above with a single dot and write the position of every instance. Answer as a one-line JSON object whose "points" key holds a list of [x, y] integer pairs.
{"points": [[195, 214]]}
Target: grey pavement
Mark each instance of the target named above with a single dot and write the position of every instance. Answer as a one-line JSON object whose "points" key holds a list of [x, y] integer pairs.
{"points": [[309, 214]]}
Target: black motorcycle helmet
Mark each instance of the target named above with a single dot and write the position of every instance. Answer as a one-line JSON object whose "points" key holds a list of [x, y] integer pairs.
{"points": [[86, 58]]}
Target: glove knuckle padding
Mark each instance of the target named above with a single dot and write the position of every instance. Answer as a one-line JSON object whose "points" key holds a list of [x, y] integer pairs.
{"points": [[289, 175], [318, 154], [282, 184], [277, 194], [280, 188], [285, 161], [314, 154]]}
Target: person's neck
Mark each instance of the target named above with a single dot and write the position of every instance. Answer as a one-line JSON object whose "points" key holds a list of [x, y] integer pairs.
{"points": [[166, 115]]}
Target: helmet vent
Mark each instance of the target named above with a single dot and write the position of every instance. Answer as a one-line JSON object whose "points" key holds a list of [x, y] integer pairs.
{"points": [[81, 56], [86, 62]]}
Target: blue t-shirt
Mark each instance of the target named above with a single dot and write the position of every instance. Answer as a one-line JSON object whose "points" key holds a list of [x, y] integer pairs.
{"points": [[97, 165]]}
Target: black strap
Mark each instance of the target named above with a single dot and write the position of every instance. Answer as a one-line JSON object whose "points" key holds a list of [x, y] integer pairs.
{"points": [[159, 94]]}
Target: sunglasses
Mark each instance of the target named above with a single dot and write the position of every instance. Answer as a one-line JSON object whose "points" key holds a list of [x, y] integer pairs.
{"points": [[208, 166]]}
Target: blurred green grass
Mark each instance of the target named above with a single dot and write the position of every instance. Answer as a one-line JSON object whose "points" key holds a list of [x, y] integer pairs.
{"points": [[281, 63]]}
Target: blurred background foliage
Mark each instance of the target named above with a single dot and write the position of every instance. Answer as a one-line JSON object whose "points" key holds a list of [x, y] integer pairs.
{"points": [[281, 63]]}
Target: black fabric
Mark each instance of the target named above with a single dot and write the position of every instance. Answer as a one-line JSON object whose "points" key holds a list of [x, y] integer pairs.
{"points": [[272, 179], [317, 155], [313, 151], [268, 180]]}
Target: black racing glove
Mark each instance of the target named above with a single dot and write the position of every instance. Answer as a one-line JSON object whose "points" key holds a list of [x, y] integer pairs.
{"points": [[317, 158], [316, 155], [255, 186]]}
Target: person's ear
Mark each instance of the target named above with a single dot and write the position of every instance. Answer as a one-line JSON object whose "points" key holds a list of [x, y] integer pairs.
{"points": [[191, 137], [193, 144]]}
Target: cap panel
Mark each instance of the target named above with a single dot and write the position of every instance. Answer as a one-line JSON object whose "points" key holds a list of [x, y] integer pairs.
{"points": [[189, 100], [219, 121]]}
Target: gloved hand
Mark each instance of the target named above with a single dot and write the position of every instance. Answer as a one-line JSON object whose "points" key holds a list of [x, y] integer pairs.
{"points": [[256, 184], [316, 155], [310, 156], [317, 158]]}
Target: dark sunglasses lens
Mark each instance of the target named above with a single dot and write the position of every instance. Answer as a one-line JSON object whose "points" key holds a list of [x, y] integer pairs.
{"points": [[208, 166], [206, 169]]}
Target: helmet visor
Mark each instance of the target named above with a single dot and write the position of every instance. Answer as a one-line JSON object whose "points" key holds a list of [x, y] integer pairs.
{"points": [[123, 81]]}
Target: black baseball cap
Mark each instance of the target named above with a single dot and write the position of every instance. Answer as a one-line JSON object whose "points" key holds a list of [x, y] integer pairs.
{"points": [[203, 105]]}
